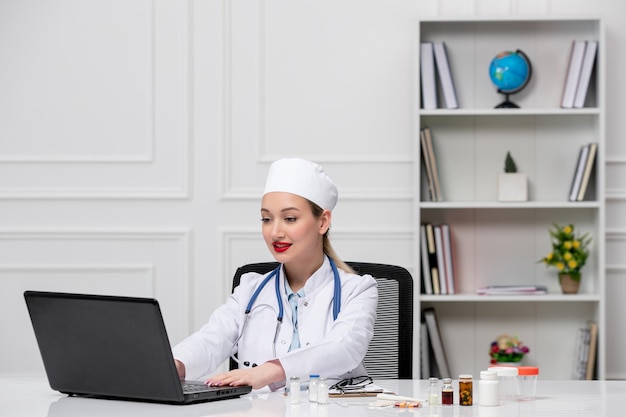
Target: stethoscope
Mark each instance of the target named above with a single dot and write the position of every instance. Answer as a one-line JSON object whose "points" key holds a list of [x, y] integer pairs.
{"points": [[279, 318]]}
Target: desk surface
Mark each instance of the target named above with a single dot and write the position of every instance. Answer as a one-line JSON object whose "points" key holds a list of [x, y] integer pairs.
{"points": [[32, 397]]}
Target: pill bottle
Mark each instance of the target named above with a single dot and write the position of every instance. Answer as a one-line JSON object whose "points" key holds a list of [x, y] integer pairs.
{"points": [[488, 389], [527, 378], [322, 391], [433, 392], [507, 377], [447, 392], [294, 390], [466, 391], [313, 380]]}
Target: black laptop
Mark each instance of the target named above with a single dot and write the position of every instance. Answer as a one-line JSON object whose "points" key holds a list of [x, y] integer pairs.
{"points": [[111, 347]]}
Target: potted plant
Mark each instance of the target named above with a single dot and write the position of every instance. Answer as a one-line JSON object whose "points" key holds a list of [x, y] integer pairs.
{"points": [[569, 254], [507, 350], [512, 185]]}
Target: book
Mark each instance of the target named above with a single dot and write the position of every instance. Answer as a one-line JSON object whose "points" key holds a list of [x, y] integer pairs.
{"points": [[581, 349], [427, 73], [441, 263], [427, 167], [436, 342], [448, 251], [573, 73], [593, 347], [512, 290], [432, 258], [585, 73], [589, 162], [578, 173], [433, 163], [445, 75], [424, 351], [426, 279]]}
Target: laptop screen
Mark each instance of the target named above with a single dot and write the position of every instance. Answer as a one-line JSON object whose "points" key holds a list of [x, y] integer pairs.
{"points": [[108, 346]]}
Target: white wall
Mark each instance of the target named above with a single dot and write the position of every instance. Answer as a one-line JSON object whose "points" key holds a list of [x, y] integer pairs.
{"points": [[135, 136]]}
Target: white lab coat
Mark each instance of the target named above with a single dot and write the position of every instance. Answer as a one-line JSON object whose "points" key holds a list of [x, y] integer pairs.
{"points": [[330, 348]]}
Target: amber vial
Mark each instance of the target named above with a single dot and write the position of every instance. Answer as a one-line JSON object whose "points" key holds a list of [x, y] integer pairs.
{"points": [[465, 390], [447, 392]]}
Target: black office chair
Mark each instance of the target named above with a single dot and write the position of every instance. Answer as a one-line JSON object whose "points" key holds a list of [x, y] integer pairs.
{"points": [[390, 354]]}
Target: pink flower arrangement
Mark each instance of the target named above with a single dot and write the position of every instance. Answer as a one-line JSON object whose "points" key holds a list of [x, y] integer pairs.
{"points": [[507, 349]]}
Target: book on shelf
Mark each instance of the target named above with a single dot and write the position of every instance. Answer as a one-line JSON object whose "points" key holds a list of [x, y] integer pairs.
{"points": [[425, 351], [441, 262], [427, 76], [512, 290], [427, 168], [432, 258], [581, 350], [578, 172], [574, 68], [589, 59], [436, 343], [592, 351], [449, 258], [433, 162], [589, 163], [445, 75], [426, 279]]}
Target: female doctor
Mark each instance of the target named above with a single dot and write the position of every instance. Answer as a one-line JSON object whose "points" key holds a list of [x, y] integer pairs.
{"points": [[312, 315]]}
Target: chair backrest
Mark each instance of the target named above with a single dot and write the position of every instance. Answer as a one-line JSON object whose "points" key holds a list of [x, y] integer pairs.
{"points": [[390, 353]]}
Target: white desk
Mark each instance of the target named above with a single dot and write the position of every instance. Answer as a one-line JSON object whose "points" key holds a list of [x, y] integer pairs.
{"points": [[32, 397]]}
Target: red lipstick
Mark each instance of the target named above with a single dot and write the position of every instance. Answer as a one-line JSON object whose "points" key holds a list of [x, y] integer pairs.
{"points": [[281, 246]]}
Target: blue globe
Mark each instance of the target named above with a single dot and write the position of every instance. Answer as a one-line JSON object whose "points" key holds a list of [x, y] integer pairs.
{"points": [[510, 72]]}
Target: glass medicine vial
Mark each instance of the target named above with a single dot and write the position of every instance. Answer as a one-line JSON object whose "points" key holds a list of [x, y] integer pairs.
{"points": [[313, 380], [466, 391], [488, 389], [294, 390], [322, 391], [433, 392], [447, 392]]}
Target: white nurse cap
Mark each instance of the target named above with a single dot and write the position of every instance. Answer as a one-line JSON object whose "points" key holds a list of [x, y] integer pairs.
{"points": [[304, 178]]}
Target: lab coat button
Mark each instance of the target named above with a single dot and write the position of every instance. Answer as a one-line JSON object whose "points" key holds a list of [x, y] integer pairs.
{"points": [[306, 303], [284, 342]]}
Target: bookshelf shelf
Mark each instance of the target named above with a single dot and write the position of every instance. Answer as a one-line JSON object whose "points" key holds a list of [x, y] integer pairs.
{"points": [[500, 243], [473, 298], [502, 205], [511, 112]]}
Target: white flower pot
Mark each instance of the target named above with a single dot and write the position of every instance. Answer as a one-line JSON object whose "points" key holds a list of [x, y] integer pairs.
{"points": [[512, 186]]}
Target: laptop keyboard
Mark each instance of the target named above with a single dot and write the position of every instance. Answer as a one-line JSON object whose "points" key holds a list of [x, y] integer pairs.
{"points": [[190, 388]]}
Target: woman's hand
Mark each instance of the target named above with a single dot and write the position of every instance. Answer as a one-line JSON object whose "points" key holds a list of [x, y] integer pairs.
{"points": [[180, 368], [257, 377]]}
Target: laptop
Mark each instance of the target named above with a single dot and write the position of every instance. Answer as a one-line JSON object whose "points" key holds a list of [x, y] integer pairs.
{"points": [[112, 347]]}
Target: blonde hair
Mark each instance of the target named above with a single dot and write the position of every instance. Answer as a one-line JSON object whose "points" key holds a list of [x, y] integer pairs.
{"points": [[328, 248]]}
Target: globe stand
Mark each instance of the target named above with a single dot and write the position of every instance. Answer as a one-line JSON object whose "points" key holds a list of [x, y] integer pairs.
{"points": [[506, 104]]}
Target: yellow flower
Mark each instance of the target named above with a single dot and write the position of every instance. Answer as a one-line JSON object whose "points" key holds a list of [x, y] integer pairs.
{"points": [[572, 264], [550, 256], [567, 245], [567, 229], [576, 244], [567, 256], [560, 266]]}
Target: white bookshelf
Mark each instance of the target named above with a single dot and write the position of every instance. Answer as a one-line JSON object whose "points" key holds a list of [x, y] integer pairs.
{"points": [[500, 243]]}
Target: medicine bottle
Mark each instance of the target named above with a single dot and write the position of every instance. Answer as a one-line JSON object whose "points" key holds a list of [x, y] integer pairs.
{"points": [[507, 381], [322, 391], [488, 389], [466, 391], [447, 392], [294, 390], [433, 392], [527, 382], [313, 380]]}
